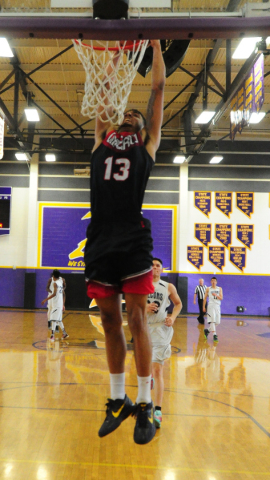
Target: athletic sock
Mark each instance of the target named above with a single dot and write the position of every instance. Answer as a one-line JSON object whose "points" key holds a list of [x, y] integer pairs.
{"points": [[212, 328], [157, 407], [117, 382], [144, 390]]}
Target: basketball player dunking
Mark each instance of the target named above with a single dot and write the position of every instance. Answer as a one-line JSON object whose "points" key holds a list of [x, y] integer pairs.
{"points": [[118, 250]]}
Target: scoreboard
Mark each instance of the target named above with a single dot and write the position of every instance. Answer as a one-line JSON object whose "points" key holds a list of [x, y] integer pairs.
{"points": [[5, 205]]}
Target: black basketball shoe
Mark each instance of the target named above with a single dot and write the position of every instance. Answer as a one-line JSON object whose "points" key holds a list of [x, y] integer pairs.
{"points": [[117, 411], [206, 333], [145, 428]]}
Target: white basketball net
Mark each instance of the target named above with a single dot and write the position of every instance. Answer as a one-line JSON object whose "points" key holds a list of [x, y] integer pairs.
{"points": [[106, 94]]}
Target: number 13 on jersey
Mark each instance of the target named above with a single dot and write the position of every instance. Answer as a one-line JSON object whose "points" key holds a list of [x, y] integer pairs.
{"points": [[122, 174]]}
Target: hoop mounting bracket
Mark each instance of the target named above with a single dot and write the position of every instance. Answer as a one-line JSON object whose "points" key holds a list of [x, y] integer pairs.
{"points": [[110, 9]]}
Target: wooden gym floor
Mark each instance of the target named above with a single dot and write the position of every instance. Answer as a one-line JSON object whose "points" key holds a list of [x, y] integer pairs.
{"points": [[216, 411]]}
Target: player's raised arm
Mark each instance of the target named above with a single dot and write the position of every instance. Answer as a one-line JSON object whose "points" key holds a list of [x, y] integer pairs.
{"points": [[154, 115], [102, 124]]}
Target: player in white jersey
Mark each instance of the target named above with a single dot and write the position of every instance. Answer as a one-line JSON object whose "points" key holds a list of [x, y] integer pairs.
{"points": [[160, 329], [215, 295], [49, 289], [57, 304], [49, 304]]}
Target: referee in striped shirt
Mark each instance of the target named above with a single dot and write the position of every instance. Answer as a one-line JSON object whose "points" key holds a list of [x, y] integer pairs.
{"points": [[200, 292]]}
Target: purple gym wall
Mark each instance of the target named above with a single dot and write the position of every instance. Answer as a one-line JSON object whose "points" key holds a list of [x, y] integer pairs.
{"points": [[238, 290], [249, 291]]}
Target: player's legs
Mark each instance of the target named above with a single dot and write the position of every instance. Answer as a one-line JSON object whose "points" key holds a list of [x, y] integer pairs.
{"points": [[144, 429], [212, 319], [64, 333], [136, 312], [157, 370], [49, 311], [136, 290], [111, 316], [56, 317], [217, 322], [218, 316], [201, 315], [53, 327]]}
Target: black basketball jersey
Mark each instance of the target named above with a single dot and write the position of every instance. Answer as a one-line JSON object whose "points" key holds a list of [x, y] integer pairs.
{"points": [[120, 168]]}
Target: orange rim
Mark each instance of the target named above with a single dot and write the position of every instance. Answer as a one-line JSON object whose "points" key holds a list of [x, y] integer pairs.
{"points": [[111, 49]]}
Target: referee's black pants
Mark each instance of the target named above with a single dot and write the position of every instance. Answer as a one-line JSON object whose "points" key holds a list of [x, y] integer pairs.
{"points": [[202, 313]]}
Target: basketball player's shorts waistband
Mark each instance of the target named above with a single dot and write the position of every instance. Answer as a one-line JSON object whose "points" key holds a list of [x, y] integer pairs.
{"points": [[141, 284]]}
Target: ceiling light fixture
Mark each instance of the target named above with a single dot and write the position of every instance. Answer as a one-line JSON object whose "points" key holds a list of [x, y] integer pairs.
{"points": [[216, 159], [22, 156], [5, 50], [245, 48], [256, 117], [31, 114], [179, 159], [205, 116], [50, 157]]}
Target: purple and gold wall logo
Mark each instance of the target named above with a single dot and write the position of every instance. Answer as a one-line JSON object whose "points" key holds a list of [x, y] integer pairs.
{"points": [[62, 234]]}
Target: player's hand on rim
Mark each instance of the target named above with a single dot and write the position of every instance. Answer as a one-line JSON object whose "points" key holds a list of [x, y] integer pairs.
{"points": [[154, 43]]}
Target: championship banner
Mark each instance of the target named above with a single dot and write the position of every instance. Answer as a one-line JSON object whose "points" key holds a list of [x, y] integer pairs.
{"points": [[223, 201], [248, 99], [245, 202], [195, 256], [203, 233], [62, 234], [202, 201], [245, 233], [223, 233], [238, 257], [2, 130], [216, 255]]}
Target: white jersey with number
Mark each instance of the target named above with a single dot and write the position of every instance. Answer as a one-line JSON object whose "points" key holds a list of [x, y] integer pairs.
{"points": [[160, 334], [57, 301], [213, 308], [212, 296], [161, 298]]}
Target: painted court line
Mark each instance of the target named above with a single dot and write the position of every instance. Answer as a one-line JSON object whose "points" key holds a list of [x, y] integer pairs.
{"points": [[132, 466]]}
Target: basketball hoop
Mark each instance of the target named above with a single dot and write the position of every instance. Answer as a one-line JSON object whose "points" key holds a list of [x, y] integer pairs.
{"points": [[108, 82]]}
